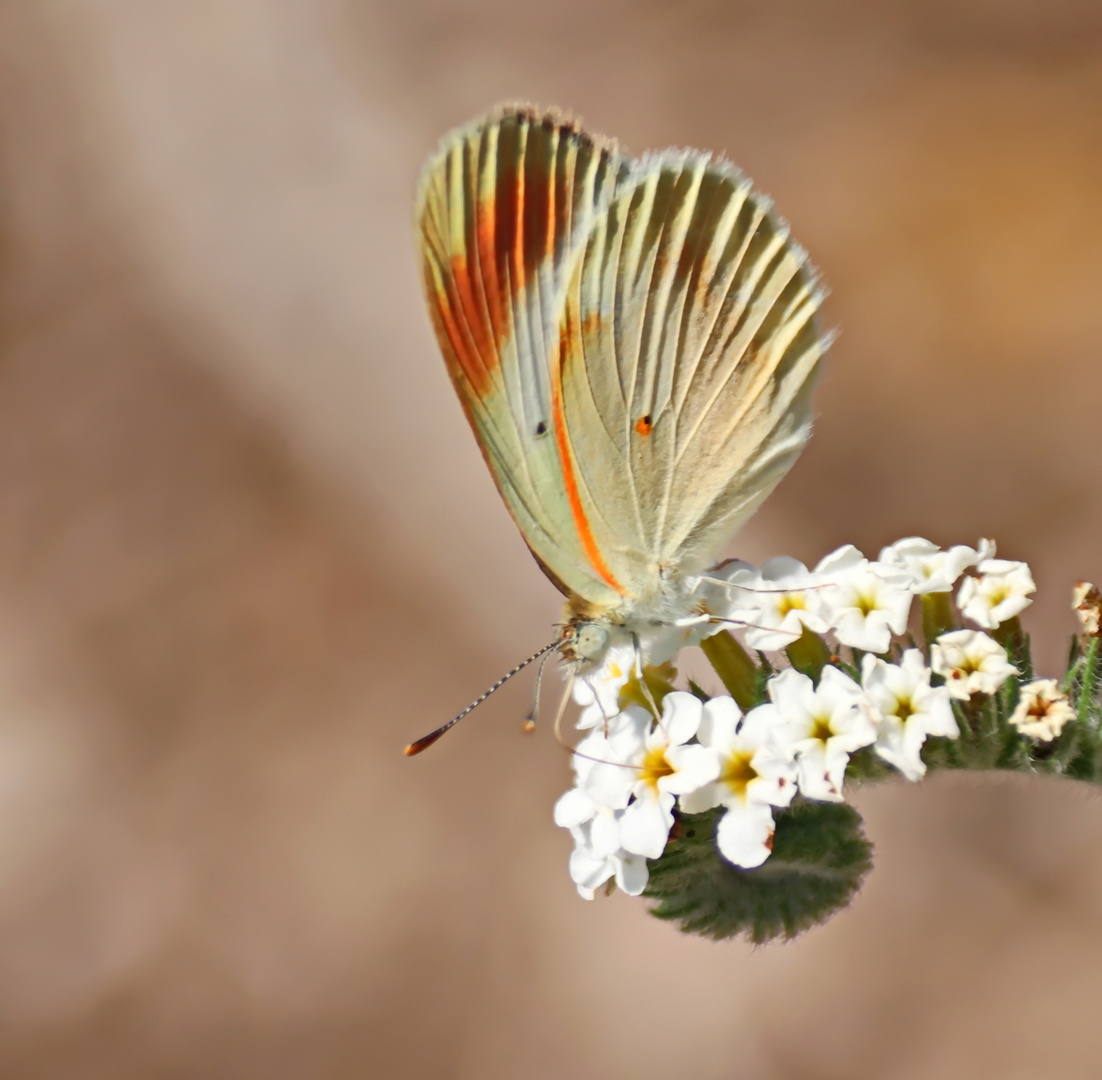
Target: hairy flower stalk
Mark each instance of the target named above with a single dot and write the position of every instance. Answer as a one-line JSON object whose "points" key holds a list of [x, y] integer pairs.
{"points": [[729, 811], [732, 663]]}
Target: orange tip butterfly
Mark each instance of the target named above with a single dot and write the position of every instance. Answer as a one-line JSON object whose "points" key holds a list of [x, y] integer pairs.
{"points": [[634, 343]]}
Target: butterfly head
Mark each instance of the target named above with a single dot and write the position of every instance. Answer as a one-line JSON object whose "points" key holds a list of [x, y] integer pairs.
{"points": [[585, 640]]}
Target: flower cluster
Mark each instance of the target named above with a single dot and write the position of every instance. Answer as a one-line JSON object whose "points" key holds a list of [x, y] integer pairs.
{"points": [[855, 683], [861, 602]]}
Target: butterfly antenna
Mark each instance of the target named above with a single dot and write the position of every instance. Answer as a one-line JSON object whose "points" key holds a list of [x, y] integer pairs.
{"points": [[426, 741], [530, 720]]}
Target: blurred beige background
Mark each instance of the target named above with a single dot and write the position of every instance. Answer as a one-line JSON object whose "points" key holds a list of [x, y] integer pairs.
{"points": [[248, 548]]}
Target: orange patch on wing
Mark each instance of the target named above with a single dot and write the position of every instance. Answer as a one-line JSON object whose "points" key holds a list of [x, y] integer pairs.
{"points": [[581, 522], [549, 243], [488, 258], [643, 425], [519, 277], [476, 352]]}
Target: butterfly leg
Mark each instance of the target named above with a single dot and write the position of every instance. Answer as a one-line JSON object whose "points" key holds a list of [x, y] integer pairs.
{"points": [[642, 680], [567, 694]]}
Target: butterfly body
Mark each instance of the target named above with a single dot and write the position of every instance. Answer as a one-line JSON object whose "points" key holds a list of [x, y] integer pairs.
{"points": [[588, 631], [633, 342]]}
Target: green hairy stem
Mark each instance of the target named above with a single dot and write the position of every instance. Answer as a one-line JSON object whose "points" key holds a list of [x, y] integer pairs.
{"points": [[732, 663]]}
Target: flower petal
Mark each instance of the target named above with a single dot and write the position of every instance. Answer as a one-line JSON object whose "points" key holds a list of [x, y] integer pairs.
{"points": [[610, 785], [813, 779], [694, 767], [681, 716], [645, 826], [631, 874], [843, 558], [744, 834], [719, 722], [587, 871], [604, 833], [704, 798], [574, 808]]}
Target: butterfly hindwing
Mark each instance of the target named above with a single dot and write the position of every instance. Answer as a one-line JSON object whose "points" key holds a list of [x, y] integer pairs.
{"points": [[688, 354]]}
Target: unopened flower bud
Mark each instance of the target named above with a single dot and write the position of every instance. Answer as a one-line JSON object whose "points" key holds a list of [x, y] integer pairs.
{"points": [[1087, 602]]}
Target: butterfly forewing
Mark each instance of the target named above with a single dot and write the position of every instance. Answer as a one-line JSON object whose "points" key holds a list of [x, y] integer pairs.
{"points": [[503, 212], [688, 355]]}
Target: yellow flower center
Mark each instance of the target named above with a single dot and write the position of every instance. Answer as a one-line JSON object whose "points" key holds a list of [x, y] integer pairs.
{"points": [[866, 604], [904, 709], [822, 729], [738, 772], [1039, 708], [791, 602], [655, 766]]}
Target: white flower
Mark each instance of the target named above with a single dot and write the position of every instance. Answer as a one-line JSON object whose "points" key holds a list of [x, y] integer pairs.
{"points": [[1042, 710], [865, 603], [597, 854], [821, 725], [598, 691], [971, 662], [999, 593], [641, 768], [775, 602], [928, 567], [754, 777], [909, 709]]}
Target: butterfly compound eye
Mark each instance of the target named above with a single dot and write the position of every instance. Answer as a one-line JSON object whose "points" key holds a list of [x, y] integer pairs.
{"points": [[591, 642]]}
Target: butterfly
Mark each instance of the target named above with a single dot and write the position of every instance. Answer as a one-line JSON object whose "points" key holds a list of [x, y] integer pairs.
{"points": [[634, 343]]}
